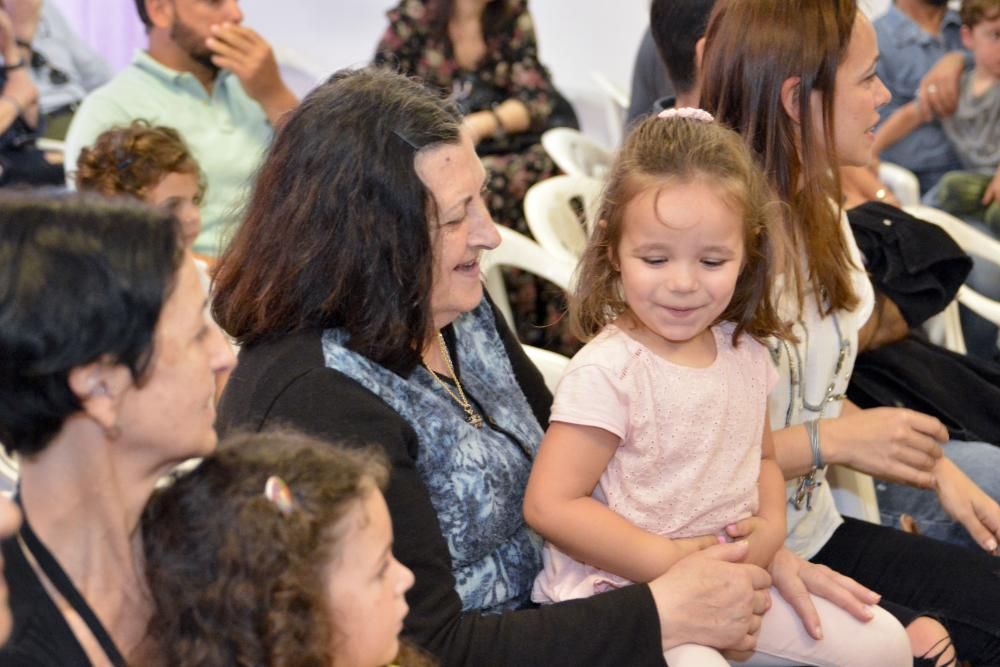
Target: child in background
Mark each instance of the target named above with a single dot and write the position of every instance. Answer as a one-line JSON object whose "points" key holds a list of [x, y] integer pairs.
{"points": [[276, 551], [659, 444], [150, 163], [974, 128]]}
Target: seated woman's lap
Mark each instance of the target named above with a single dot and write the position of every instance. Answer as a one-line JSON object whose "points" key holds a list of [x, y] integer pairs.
{"points": [[783, 641], [979, 460], [913, 572]]}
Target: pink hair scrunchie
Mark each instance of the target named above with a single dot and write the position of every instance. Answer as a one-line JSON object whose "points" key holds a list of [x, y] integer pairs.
{"points": [[687, 112]]}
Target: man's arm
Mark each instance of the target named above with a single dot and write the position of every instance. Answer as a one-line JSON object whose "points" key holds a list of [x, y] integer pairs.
{"points": [[897, 126]]}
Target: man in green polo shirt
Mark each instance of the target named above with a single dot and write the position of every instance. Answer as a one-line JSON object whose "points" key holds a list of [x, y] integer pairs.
{"points": [[214, 80]]}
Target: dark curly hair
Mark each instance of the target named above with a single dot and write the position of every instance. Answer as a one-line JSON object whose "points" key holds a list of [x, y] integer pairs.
{"points": [[132, 159], [236, 581], [336, 232]]}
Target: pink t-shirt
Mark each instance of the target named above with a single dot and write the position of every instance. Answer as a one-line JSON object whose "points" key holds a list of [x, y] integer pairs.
{"points": [[689, 456]]}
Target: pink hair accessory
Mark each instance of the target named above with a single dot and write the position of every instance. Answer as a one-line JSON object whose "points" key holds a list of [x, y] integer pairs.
{"points": [[687, 112], [278, 493]]}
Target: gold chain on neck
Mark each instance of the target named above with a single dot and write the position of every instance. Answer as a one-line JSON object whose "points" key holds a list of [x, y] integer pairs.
{"points": [[471, 416]]}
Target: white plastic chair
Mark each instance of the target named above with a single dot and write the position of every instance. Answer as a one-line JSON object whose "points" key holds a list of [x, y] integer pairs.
{"points": [[519, 252], [575, 154], [901, 181], [853, 493], [552, 217], [946, 328], [617, 104], [550, 364]]}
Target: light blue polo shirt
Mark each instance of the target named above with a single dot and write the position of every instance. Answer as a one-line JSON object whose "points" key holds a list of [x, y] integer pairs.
{"points": [[906, 55], [226, 130]]}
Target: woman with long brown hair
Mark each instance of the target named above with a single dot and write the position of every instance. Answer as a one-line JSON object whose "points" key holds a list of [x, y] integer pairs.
{"points": [[797, 79]]}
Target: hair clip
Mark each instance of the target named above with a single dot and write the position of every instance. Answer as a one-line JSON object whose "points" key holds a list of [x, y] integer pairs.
{"points": [[399, 135], [278, 493], [687, 112]]}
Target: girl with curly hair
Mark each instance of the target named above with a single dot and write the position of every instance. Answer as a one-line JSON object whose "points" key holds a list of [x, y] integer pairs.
{"points": [[150, 163], [277, 550]]}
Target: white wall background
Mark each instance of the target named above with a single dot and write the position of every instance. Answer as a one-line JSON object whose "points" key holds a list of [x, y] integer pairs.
{"points": [[576, 38]]}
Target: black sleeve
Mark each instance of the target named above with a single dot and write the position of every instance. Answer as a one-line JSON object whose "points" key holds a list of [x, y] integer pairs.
{"points": [[617, 628]]}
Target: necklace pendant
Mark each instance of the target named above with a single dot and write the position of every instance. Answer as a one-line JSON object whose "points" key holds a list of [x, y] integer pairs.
{"points": [[475, 420]]}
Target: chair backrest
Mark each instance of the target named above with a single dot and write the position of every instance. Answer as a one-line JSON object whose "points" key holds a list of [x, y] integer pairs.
{"points": [[575, 154], [553, 209], [550, 364], [946, 328], [903, 183], [519, 252]]}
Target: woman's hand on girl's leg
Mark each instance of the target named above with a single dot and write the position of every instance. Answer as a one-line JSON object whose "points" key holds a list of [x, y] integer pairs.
{"points": [[795, 578]]}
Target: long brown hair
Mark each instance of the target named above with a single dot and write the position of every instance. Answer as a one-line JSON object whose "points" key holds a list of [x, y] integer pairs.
{"points": [[753, 47], [659, 151], [336, 232]]}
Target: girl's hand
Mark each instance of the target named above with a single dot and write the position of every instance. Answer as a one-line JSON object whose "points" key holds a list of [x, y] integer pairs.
{"points": [[893, 444], [795, 578], [765, 537], [690, 545], [966, 503]]}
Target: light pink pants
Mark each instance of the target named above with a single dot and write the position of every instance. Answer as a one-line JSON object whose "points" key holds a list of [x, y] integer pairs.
{"points": [[881, 642]]}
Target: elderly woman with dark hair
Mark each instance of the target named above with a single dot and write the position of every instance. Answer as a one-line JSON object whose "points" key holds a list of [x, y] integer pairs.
{"points": [[483, 53], [107, 365], [353, 285]]}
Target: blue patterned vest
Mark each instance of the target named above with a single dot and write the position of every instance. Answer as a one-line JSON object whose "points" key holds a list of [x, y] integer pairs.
{"points": [[475, 477]]}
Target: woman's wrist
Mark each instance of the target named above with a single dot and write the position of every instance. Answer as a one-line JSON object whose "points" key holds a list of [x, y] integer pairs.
{"points": [[499, 130], [829, 446]]}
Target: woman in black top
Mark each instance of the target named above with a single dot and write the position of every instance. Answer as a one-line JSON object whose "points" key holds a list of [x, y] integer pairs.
{"points": [[106, 382], [353, 285]]}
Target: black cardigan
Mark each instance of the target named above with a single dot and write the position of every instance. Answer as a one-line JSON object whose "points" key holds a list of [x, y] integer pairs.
{"points": [[285, 383]]}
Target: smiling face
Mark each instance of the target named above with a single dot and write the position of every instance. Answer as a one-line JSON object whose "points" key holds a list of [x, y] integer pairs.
{"points": [[180, 194], [10, 520], [858, 95], [365, 587], [170, 415], [461, 226], [680, 255]]}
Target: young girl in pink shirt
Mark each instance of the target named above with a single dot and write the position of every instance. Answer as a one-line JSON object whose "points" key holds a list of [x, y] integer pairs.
{"points": [[658, 443]]}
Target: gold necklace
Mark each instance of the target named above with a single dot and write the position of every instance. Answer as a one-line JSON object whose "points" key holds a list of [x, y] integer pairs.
{"points": [[471, 416]]}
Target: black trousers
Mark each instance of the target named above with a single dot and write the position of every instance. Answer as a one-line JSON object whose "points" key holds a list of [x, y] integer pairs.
{"points": [[920, 576]]}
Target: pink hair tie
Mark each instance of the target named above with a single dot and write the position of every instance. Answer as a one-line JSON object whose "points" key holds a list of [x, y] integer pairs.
{"points": [[687, 112]]}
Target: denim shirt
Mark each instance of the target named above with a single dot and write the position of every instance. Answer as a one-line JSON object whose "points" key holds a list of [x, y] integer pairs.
{"points": [[907, 54]]}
